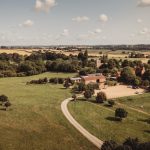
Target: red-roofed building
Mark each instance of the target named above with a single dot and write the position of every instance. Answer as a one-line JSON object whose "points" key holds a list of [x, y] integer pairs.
{"points": [[94, 78]]}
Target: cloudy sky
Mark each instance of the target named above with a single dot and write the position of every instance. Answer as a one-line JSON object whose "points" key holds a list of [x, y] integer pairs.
{"points": [[52, 22]]}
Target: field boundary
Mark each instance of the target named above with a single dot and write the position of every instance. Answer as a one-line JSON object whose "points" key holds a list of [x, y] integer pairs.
{"points": [[97, 142]]}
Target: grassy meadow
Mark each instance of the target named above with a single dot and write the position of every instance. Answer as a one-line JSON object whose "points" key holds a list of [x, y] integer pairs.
{"points": [[35, 120], [140, 102], [99, 120]]}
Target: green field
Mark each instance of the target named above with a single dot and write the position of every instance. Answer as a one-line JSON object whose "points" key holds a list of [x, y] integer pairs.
{"points": [[141, 102], [100, 121], [35, 120]]}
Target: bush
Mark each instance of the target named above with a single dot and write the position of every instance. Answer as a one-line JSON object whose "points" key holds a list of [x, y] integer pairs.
{"points": [[7, 104], [111, 83], [9, 73], [87, 94], [129, 144], [40, 81], [121, 113], [20, 74], [61, 80], [109, 145], [3, 98], [81, 87], [74, 97], [101, 97], [111, 103], [133, 143], [67, 84]]}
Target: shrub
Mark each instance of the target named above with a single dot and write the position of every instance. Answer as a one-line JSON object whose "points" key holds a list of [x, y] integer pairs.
{"points": [[133, 143], [87, 94], [61, 80], [111, 83], [67, 84], [101, 97], [129, 144], [121, 113], [20, 74], [81, 87], [111, 103], [74, 97], [109, 145], [3, 98], [39, 81], [7, 104]]}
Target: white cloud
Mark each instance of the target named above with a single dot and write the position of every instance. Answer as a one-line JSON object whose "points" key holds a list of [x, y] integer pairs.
{"points": [[65, 32], [81, 19], [132, 35], [139, 20], [39, 5], [45, 5], [27, 23], [103, 18], [144, 3], [104, 38], [98, 31], [90, 34], [144, 31]]}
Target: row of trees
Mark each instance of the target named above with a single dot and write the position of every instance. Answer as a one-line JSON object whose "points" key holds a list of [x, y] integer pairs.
{"points": [[128, 144], [51, 80]]}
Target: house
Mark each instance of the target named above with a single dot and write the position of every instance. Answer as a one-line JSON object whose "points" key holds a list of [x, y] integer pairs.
{"points": [[93, 78]]}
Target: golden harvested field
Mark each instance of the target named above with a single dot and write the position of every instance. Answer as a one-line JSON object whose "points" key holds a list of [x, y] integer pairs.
{"points": [[19, 51]]}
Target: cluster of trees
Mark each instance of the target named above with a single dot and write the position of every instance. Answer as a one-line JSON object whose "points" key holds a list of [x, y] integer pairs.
{"points": [[51, 80], [39, 81], [128, 144], [15, 65], [15, 57], [136, 55], [46, 56], [57, 80], [82, 87], [134, 77], [132, 72], [4, 101], [62, 66]]}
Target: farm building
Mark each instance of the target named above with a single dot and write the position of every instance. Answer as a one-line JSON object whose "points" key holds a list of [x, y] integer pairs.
{"points": [[94, 78]]}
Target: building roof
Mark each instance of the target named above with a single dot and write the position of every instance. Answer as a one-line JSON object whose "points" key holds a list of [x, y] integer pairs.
{"points": [[74, 79], [96, 77]]}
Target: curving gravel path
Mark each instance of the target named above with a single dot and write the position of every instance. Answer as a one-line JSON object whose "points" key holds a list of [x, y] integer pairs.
{"points": [[97, 142]]}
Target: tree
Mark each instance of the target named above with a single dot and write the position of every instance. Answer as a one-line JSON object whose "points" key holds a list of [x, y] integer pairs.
{"points": [[80, 56], [123, 147], [87, 94], [121, 113], [74, 97], [111, 103], [3, 98], [109, 145], [127, 75], [146, 75], [101, 97], [136, 81], [67, 84], [133, 143], [7, 104], [81, 87], [144, 146], [146, 83]]}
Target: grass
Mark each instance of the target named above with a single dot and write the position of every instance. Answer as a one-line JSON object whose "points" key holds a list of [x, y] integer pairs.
{"points": [[100, 121], [137, 101], [35, 120]]}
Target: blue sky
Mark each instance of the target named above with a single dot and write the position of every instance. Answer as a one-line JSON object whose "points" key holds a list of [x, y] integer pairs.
{"points": [[53, 22]]}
